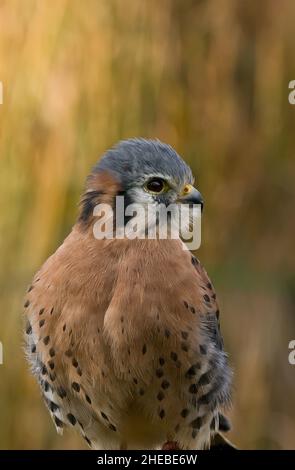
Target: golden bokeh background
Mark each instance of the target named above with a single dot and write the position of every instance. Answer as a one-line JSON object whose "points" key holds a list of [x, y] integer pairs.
{"points": [[210, 77]]}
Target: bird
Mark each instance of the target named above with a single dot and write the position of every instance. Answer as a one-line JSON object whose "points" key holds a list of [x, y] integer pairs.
{"points": [[123, 335]]}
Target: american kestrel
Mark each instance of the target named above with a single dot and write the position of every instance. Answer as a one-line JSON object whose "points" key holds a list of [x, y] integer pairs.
{"points": [[123, 335]]}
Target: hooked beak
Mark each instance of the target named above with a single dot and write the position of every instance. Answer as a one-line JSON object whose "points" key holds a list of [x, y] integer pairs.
{"points": [[191, 195]]}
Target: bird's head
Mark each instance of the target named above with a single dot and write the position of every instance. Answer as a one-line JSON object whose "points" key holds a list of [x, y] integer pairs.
{"points": [[150, 171], [146, 172]]}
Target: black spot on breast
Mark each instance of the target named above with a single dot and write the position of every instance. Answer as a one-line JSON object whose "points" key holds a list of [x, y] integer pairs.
{"points": [[51, 311], [160, 396], [193, 310], [209, 285], [194, 433], [159, 373], [71, 419], [185, 304], [196, 423], [51, 364], [144, 349], [104, 416], [51, 352], [30, 288], [29, 329], [203, 349], [27, 303], [53, 406], [33, 348], [162, 413], [161, 361], [58, 422], [193, 388], [192, 371], [174, 356], [43, 369], [88, 399], [112, 427], [87, 440], [79, 371], [205, 399], [52, 376], [69, 353], [76, 387], [141, 391], [80, 424], [61, 392], [184, 347], [135, 380], [223, 423], [41, 311], [213, 424], [165, 384], [46, 340], [184, 334], [167, 333], [41, 323], [204, 379], [206, 298], [64, 327], [184, 413], [46, 386], [75, 362]]}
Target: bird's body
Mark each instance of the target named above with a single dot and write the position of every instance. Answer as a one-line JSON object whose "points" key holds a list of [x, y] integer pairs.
{"points": [[123, 337]]}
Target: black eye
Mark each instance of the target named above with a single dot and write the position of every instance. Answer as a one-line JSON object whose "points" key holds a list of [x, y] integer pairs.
{"points": [[156, 185]]}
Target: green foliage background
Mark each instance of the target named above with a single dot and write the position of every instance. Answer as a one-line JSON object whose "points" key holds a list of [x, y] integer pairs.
{"points": [[210, 77]]}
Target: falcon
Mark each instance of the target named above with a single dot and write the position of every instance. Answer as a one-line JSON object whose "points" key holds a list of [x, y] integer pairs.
{"points": [[123, 335]]}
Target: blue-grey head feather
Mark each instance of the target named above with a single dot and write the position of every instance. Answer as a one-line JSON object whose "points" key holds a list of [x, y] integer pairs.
{"points": [[132, 163], [133, 160]]}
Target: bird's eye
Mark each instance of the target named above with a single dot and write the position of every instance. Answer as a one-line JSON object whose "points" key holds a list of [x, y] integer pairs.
{"points": [[156, 185]]}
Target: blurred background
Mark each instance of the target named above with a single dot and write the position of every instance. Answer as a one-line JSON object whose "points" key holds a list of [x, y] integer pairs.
{"points": [[208, 77]]}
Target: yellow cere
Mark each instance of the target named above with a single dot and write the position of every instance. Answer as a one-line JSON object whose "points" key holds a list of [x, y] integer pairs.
{"points": [[187, 189]]}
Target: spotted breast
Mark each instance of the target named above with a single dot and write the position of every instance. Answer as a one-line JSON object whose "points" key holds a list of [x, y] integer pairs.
{"points": [[124, 339]]}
